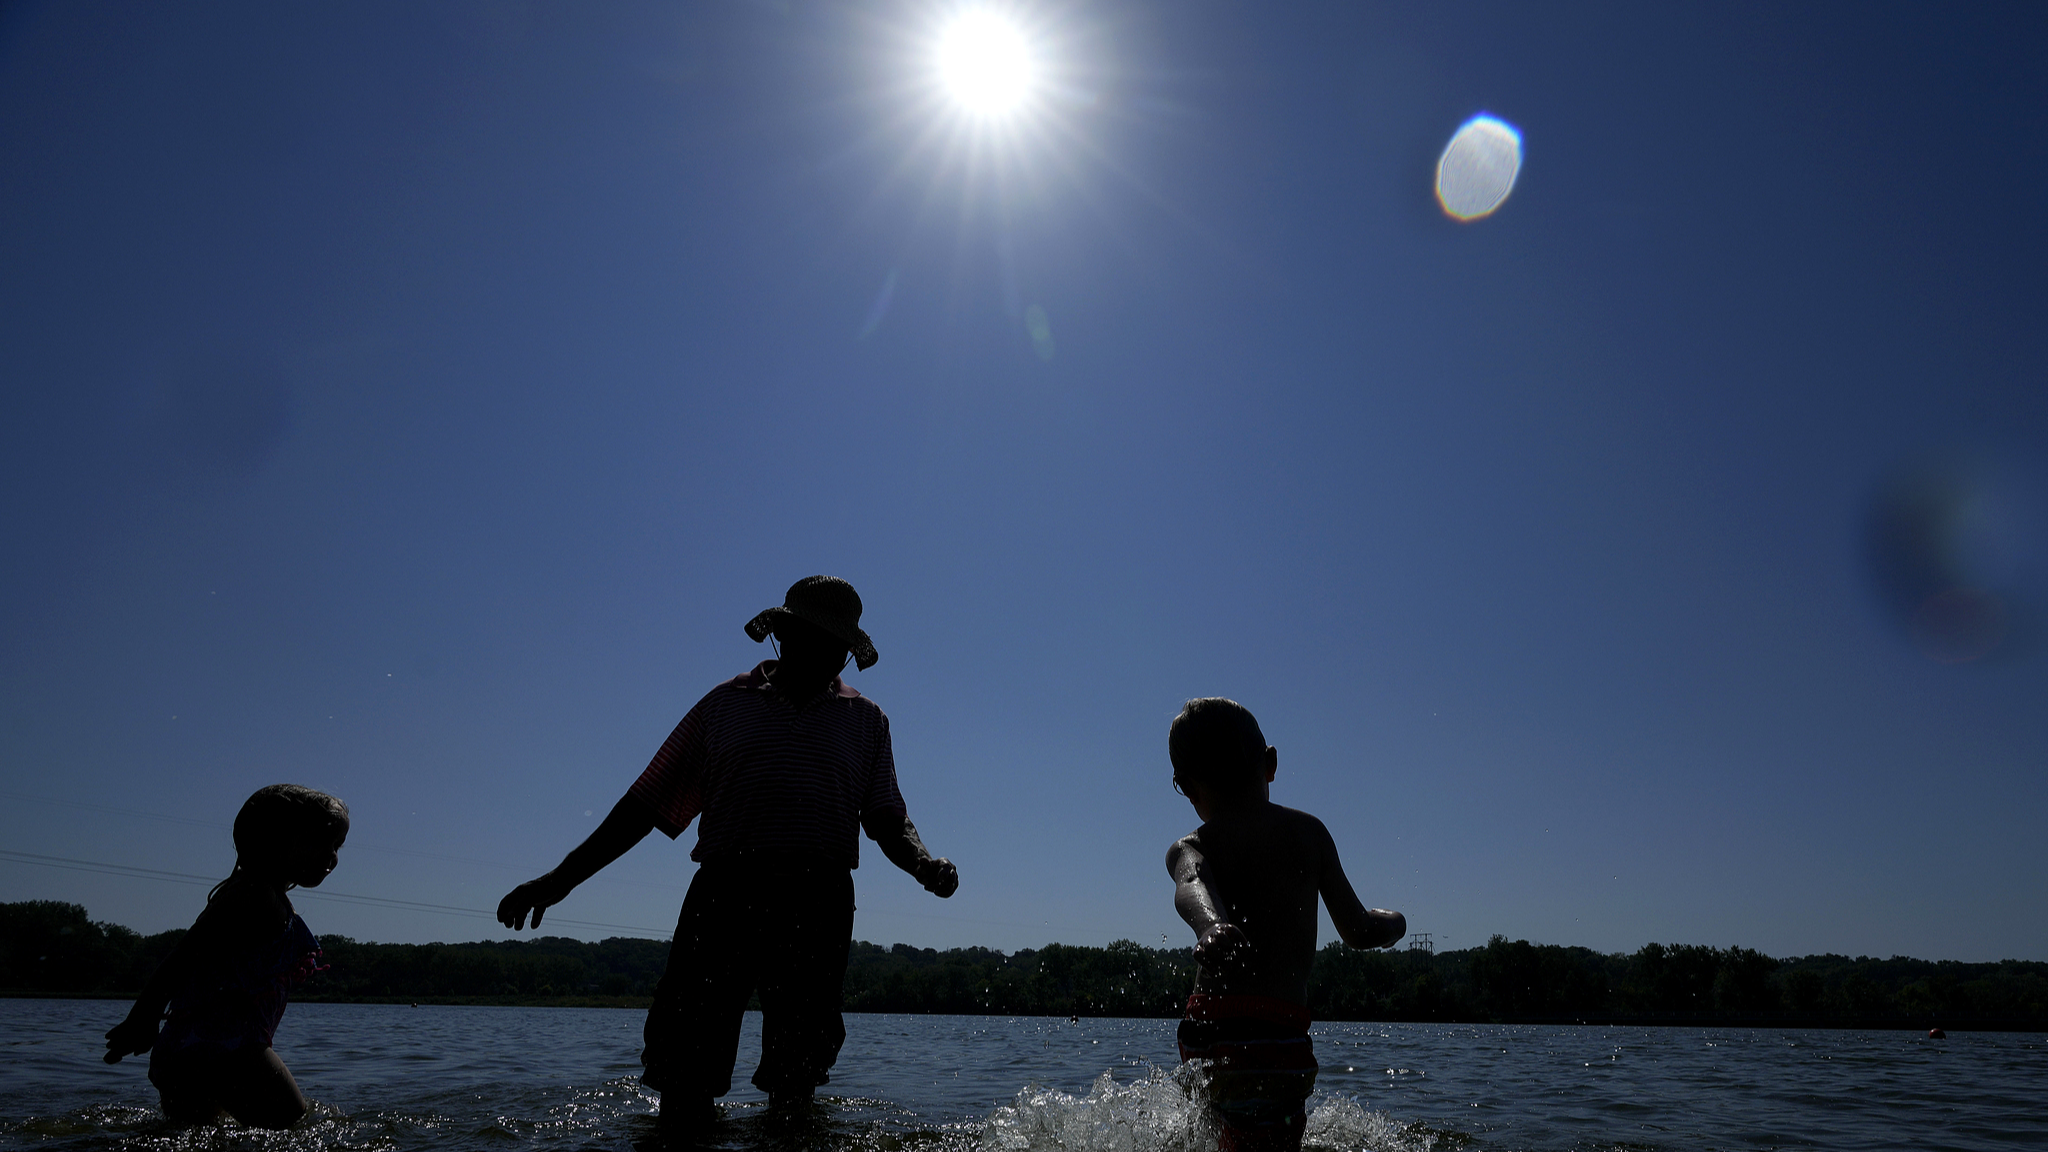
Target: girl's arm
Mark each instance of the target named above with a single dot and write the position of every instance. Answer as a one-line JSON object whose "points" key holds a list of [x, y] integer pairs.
{"points": [[242, 913], [137, 1034]]}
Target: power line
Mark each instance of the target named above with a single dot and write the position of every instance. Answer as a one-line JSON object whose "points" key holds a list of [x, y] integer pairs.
{"points": [[358, 847], [181, 877], [107, 869], [413, 905]]}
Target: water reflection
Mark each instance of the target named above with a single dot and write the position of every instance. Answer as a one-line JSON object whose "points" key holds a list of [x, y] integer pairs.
{"points": [[392, 1079]]}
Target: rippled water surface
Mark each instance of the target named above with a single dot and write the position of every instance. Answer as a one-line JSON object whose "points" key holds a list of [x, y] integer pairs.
{"points": [[470, 1079]]}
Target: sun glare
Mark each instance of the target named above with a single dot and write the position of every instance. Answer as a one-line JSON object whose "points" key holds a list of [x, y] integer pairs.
{"points": [[985, 63]]}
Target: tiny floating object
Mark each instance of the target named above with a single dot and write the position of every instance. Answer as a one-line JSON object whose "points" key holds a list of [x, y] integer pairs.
{"points": [[1936, 1034]]}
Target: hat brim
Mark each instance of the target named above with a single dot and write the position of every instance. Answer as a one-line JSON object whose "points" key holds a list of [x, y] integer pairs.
{"points": [[857, 641]]}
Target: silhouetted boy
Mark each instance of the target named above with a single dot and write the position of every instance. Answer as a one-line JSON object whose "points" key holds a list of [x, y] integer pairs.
{"points": [[1247, 881], [786, 764]]}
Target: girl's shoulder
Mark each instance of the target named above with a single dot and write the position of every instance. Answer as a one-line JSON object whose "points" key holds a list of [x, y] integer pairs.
{"points": [[245, 910]]}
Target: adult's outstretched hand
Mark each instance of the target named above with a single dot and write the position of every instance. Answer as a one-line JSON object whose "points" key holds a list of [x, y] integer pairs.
{"points": [[628, 823], [534, 896], [939, 876]]}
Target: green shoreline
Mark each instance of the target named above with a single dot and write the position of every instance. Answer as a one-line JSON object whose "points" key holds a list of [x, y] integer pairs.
{"points": [[49, 948], [1705, 1020]]}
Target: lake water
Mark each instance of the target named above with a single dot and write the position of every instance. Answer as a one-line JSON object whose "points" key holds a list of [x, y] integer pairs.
{"points": [[510, 1079]]}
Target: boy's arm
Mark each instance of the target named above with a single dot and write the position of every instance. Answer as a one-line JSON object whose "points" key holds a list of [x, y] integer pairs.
{"points": [[1361, 927], [1217, 940], [628, 823], [906, 850]]}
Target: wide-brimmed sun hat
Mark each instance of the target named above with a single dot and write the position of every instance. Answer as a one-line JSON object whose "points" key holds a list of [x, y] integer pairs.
{"points": [[828, 602]]}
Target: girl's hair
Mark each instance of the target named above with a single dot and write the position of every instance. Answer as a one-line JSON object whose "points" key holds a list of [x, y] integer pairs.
{"points": [[281, 818]]}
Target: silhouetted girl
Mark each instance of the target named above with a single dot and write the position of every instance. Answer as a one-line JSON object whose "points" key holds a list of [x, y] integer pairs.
{"points": [[225, 983]]}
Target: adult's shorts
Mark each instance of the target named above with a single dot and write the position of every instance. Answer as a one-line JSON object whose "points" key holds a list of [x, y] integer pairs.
{"points": [[748, 928]]}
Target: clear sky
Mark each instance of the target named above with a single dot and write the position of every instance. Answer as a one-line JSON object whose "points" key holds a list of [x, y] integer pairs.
{"points": [[413, 401]]}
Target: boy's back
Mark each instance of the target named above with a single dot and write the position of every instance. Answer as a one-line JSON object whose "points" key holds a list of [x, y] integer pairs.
{"points": [[1247, 882], [1265, 865]]}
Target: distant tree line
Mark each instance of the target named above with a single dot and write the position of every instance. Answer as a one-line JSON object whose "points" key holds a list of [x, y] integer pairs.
{"points": [[1514, 980], [52, 948]]}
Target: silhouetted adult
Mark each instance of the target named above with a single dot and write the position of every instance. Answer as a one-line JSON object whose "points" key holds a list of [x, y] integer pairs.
{"points": [[784, 764]]}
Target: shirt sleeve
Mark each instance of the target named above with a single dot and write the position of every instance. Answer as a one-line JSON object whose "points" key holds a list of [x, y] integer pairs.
{"points": [[673, 783], [881, 809]]}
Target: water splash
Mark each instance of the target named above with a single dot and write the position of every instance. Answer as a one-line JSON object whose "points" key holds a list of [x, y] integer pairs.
{"points": [[136, 1129], [1163, 1112], [1160, 1113], [466, 1119], [1341, 1122]]}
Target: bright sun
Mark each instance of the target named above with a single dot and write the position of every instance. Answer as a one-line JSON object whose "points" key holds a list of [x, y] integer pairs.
{"points": [[985, 63]]}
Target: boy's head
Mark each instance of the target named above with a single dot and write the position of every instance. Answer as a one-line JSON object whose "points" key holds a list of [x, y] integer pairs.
{"points": [[1217, 742]]}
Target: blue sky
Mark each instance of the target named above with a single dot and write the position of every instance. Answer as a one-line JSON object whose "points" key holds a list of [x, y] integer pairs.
{"points": [[414, 402]]}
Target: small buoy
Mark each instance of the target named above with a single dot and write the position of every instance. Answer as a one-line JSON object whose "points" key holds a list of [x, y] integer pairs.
{"points": [[1936, 1034]]}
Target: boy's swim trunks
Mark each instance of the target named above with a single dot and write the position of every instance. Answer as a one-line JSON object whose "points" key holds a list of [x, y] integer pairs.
{"points": [[1262, 1067]]}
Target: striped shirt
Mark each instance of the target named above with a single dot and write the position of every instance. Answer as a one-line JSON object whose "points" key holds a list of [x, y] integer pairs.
{"points": [[769, 777]]}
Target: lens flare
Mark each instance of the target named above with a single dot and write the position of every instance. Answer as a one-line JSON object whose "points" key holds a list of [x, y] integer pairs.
{"points": [[1478, 168], [985, 63], [1040, 328], [1958, 547], [1958, 625]]}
